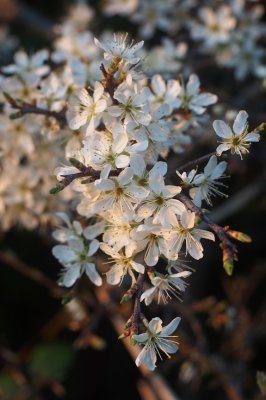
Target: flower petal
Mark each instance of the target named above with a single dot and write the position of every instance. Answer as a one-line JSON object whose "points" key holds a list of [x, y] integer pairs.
{"points": [[240, 122], [222, 129]]}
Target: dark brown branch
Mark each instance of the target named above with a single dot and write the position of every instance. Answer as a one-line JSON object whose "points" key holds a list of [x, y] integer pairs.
{"points": [[28, 108], [137, 307], [189, 165], [228, 248], [85, 172], [109, 82], [32, 273]]}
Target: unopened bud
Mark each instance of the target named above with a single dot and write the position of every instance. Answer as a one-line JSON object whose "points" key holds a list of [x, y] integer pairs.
{"points": [[126, 298], [77, 164], [240, 236]]}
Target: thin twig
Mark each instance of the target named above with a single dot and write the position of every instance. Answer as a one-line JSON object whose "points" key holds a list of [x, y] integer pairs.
{"points": [[32, 273], [137, 307], [195, 162], [28, 108]]}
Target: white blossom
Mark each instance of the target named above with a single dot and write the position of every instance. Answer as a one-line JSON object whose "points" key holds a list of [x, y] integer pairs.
{"points": [[132, 105], [206, 184], [84, 109], [165, 286], [184, 231], [29, 69], [156, 338], [123, 264], [119, 48], [238, 139], [77, 259], [191, 97]]}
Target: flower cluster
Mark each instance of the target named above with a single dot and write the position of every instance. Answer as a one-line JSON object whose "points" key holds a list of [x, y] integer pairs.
{"points": [[103, 114], [139, 217]]}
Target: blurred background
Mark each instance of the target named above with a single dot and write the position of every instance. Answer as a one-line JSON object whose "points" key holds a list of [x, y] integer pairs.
{"points": [[59, 349]]}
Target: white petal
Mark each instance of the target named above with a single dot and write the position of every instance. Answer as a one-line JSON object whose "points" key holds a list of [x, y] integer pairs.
{"points": [[158, 85], [155, 325], [120, 143], [141, 338], [147, 356], [188, 219], [93, 231], [201, 233], [152, 255], [93, 274], [223, 147], [205, 99], [115, 111], [93, 247], [98, 91], [240, 122], [159, 168], [170, 328], [138, 192], [63, 253], [70, 275], [114, 275], [138, 267], [252, 137], [137, 164], [193, 85], [210, 166], [219, 170], [146, 210], [222, 129], [64, 217], [167, 346], [104, 184], [100, 106], [171, 191], [107, 249], [122, 161], [148, 295]]}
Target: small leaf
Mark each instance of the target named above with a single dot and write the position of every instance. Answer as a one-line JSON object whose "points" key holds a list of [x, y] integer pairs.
{"points": [[126, 298], [228, 265], [15, 115], [261, 128], [50, 361], [261, 381], [76, 163], [66, 299], [57, 189], [8, 387], [240, 236]]}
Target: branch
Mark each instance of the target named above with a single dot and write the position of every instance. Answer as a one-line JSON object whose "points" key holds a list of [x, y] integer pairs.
{"points": [[28, 108], [85, 172], [137, 307], [189, 165], [32, 273], [67, 179], [229, 249]]}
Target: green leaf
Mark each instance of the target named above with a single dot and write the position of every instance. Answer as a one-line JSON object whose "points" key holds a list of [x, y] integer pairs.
{"points": [[8, 387], [57, 189], [50, 361]]}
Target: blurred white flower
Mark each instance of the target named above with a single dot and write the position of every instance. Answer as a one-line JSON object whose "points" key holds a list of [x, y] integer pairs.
{"points": [[191, 97], [119, 48]]}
